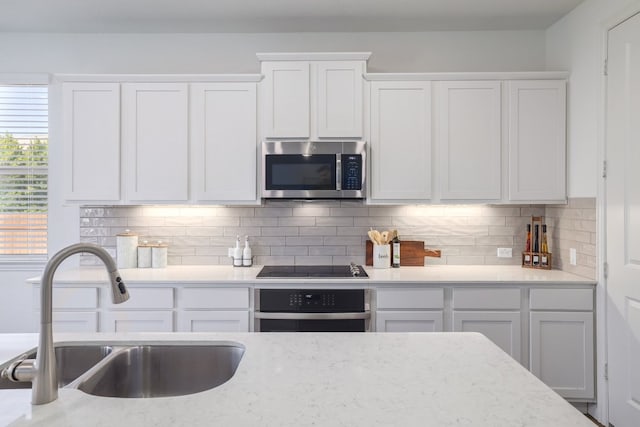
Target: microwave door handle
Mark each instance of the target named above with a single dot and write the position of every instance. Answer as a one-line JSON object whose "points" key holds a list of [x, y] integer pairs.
{"points": [[338, 171]]}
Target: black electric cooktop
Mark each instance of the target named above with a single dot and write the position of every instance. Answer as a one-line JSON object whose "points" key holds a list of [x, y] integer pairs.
{"points": [[312, 272]]}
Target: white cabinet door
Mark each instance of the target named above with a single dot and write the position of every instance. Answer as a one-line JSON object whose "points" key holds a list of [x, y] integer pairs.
{"points": [[223, 142], [409, 321], [72, 321], [400, 141], [562, 352], [537, 140], [501, 327], [339, 105], [136, 321], [91, 127], [156, 141], [469, 139], [286, 99], [213, 321]]}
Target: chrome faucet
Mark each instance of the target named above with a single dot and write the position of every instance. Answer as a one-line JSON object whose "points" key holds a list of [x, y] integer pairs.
{"points": [[42, 371]]}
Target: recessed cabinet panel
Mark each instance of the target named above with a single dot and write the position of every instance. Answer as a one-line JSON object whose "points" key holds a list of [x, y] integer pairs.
{"points": [[469, 139], [91, 126], [409, 321], [410, 298], [286, 99], [486, 298], [400, 141], [137, 321], [340, 86], [214, 298], [224, 135], [537, 140], [156, 140], [213, 321], [72, 321], [562, 352], [503, 328]]}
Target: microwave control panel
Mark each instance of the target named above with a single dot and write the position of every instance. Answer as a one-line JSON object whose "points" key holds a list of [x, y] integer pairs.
{"points": [[352, 172]]}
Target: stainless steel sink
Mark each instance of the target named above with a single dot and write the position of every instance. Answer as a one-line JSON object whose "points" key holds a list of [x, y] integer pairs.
{"points": [[71, 362], [162, 370]]}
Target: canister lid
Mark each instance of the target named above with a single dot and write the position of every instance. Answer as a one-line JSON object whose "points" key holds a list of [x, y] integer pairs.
{"points": [[159, 244], [145, 244], [127, 233]]}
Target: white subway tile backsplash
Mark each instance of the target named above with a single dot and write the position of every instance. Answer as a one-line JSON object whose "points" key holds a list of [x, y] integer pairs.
{"points": [[333, 231]]}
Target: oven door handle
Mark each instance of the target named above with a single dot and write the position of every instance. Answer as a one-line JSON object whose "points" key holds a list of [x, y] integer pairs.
{"points": [[313, 316]]}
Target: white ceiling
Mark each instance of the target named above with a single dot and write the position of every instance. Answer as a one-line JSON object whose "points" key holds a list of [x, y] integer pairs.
{"points": [[215, 16]]}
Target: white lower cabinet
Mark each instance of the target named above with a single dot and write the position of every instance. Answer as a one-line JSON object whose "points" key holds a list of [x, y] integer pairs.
{"points": [[562, 341], [409, 321], [503, 328], [213, 321], [136, 321]]}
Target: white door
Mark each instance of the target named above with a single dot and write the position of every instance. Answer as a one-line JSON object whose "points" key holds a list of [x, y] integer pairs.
{"points": [[537, 140], [469, 139], [340, 99], [623, 222], [155, 133], [223, 137], [400, 141], [409, 321], [91, 123], [501, 327], [285, 97]]}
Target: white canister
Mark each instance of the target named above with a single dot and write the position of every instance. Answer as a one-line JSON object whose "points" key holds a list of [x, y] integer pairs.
{"points": [[144, 255], [127, 249], [159, 253], [381, 256]]}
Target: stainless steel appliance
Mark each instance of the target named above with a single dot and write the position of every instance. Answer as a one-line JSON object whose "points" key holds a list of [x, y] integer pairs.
{"points": [[312, 310], [313, 169]]}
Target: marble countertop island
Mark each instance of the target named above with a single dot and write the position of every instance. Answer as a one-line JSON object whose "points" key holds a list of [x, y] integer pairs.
{"points": [[322, 379]]}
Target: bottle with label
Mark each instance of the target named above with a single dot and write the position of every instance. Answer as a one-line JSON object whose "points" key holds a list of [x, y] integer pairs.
{"points": [[237, 253], [536, 245], [527, 245], [396, 250], [247, 260], [544, 246]]}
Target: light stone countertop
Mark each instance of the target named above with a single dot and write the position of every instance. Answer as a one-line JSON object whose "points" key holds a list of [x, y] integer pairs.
{"points": [[200, 274], [323, 379]]}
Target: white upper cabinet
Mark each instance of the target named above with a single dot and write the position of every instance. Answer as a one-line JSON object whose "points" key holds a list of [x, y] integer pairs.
{"points": [[155, 130], [286, 99], [311, 95], [91, 126], [223, 141], [400, 141], [339, 106], [537, 140], [468, 137]]}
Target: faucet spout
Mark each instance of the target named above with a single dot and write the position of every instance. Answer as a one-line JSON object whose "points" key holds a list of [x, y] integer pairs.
{"points": [[43, 374]]}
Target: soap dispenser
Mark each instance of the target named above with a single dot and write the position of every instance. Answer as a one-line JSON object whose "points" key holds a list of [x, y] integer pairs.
{"points": [[247, 260], [237, 253]]}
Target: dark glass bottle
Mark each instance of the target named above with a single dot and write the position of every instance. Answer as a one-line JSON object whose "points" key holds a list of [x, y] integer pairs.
{"points": [[536, 240], [527, 246]]}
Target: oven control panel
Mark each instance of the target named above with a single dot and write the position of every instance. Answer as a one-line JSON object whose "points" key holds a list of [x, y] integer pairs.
{"points": [[311, 300]]}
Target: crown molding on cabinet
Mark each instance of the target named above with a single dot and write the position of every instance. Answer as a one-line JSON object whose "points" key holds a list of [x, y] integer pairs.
{"points": [[157, 78], [314, 56], [515, 75]]}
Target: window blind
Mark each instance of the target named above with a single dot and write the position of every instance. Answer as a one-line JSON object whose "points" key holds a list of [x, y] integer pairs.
{"points": [[24, 133]]}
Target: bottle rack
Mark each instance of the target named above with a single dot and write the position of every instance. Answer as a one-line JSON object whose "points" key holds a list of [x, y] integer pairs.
{"points": [[538, 260]]}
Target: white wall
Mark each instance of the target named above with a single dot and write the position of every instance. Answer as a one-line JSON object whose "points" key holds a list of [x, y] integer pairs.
{"points": [[235, 53], [16, 311], [575, 44]]}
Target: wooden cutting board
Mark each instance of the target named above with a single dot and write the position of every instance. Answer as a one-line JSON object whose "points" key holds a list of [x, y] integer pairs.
{"points": [[412, 253]]}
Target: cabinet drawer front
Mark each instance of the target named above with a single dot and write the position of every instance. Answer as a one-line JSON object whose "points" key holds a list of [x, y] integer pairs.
{"points": [[69, 298], [136, 321], [483, 298], [213, 321], [410, 298], [72, 321], [214, 298], [409, 321], [146, 298], [561, 299]]}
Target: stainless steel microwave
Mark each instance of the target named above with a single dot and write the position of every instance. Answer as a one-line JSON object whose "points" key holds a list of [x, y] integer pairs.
{"points": [[313, 169]]}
